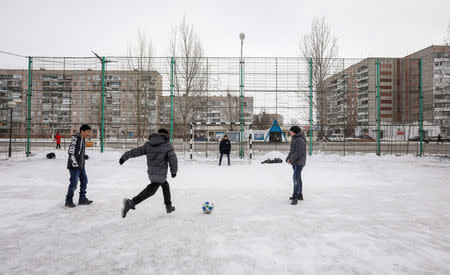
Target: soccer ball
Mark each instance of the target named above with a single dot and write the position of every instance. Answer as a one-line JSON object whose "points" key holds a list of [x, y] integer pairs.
{"points": [[208, 207]]}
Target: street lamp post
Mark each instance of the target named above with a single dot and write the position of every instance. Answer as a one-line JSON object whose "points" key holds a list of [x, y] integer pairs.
{"points": [[241, 151], [11, 105]]}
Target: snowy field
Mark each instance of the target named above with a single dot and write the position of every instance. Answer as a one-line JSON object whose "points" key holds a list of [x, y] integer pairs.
{"points": [[361, 215]]}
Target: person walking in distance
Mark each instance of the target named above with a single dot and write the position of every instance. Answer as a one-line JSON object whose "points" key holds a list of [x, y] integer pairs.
{"points": [[439, 139], [76, 166], [225, 149], [58, 141], [297, 158], [160, 153]]}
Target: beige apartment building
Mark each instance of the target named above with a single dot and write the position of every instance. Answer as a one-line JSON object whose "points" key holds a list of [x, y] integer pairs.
{"points": [[63, 100], [351, 94]]}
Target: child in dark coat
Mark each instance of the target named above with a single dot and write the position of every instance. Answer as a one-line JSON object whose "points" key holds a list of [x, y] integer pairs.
{"points": [[225, 149], [160, 154]]}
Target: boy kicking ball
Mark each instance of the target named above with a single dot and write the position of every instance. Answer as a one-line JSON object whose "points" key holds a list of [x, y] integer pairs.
{"points": [[160, 154]]}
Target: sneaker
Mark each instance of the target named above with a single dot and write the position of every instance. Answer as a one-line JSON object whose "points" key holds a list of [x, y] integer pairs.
{"points": [[170, 209], [300, 198], [70, 204], [84, 201], [127, 205]]}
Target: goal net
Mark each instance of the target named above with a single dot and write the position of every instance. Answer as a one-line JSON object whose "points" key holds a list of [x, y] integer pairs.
{"points": [[205, 138]]}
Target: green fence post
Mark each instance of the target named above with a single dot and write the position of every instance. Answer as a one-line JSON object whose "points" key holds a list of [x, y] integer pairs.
{"points": [[30, 84], [103, 105], [344, 75], [172, 62], [378, 109], [241, 151], [310, 108], [420, 108]]}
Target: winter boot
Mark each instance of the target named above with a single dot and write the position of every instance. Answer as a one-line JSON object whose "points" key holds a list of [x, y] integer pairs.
{"points": [[294, 201], [127, 205], [69, 203], [84, 201], [170, 209], [292, 197], [300, 197]]}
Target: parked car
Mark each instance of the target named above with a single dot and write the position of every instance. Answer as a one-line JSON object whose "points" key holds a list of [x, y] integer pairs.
{"points": [[336, 137]]}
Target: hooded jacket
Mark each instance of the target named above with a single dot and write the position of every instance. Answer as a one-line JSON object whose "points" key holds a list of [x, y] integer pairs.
{"points": [[160, 154], [58, 139], [225, 146], [76, 151], [297, 154]]}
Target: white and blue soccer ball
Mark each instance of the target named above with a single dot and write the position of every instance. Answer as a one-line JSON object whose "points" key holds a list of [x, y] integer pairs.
{"points": [[208, 207]]}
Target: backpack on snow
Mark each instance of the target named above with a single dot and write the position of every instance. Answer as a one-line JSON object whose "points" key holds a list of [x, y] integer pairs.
{"points": [[51, 155]]}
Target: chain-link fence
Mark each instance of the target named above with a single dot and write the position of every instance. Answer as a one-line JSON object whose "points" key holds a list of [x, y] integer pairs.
{"points": [[345, 106]]}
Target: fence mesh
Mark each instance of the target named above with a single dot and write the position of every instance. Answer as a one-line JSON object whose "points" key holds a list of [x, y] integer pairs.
{"points": [[384, 105]]}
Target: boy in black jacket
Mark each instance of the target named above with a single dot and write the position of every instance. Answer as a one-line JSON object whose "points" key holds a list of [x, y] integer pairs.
{"points": [[225, 149], [75, 164]]}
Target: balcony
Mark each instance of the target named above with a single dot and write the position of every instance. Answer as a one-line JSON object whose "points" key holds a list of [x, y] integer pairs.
{"points": [[362, 77], [361, 85], [363, 69]]}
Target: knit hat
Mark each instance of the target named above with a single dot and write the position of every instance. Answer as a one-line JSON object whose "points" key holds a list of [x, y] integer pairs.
{"points": [[163, 131], [295, 129]]}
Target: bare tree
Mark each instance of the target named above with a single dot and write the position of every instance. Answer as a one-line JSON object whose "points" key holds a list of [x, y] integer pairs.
{"points": [[140, 59], [190, 75], [321, 46], [232, 112], [262, 121]]}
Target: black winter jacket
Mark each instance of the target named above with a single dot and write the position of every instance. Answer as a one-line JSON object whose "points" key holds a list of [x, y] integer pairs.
{"points": [[159, 153], [225, 146], [76, 158], [297, 154]]}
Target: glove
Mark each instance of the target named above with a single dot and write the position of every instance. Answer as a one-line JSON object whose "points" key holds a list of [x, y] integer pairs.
{"points": [[86, 157], [121, 161], [174, 175]]}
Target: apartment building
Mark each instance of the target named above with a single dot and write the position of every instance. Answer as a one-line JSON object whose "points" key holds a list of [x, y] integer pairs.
{"points": [[63, 100], [206, 109], [399, 92], [436, 85]]}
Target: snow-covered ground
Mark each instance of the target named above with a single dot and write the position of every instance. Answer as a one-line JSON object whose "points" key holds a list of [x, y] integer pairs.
{"points": [[361, 215]]}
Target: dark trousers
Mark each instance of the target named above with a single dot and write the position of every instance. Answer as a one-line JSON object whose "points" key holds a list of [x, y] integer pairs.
{"points": [[58, 145], [151, 189], [221, 156], [75, 175], [297, 177]]}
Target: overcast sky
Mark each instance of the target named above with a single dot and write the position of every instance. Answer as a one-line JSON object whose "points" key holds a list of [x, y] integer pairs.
{"points": [[273, 28]]}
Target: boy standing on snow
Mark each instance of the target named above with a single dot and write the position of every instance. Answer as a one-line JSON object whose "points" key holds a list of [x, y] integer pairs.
{"points": [[58, 141], [297, 158], [159, 154], [75, 164], [225, 148]]}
